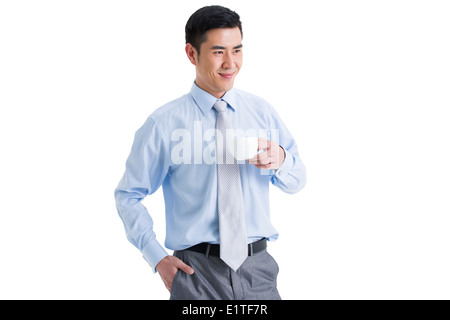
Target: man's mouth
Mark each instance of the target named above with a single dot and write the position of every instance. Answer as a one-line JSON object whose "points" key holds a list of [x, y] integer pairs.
{"points": [[227, 75]]}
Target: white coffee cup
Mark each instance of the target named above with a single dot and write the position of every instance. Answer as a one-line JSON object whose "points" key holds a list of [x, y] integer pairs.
{"points": [[243, 148]]}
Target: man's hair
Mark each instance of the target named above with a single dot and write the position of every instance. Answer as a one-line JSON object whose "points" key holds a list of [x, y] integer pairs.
{"points": [[207, 18]]}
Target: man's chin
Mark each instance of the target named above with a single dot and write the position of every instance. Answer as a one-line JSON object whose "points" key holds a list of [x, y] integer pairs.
{"points": [[227, 87]]}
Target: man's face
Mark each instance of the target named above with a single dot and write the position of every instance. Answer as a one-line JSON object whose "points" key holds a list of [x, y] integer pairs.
{"points": [[219, 61]]}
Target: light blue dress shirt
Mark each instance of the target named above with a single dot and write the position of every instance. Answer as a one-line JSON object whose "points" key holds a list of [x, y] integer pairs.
{"points": [[174, 148]]}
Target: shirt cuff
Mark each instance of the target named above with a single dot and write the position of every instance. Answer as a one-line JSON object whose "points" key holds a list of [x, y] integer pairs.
{"points": [[153, 253], [286, 166]]}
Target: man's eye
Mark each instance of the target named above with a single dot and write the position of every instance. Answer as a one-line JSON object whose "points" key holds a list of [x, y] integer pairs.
{"points": [[218, 52], [237, 51]]}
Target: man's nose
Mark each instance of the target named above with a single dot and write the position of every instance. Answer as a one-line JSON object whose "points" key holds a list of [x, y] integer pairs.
{"points": [[228, 62]]}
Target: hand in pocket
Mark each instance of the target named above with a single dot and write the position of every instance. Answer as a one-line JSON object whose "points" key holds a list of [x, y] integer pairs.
{"points": [[168, 267]]}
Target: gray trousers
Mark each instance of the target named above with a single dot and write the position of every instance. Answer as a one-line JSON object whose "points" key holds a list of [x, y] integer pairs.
{"points": [[256, 279]]}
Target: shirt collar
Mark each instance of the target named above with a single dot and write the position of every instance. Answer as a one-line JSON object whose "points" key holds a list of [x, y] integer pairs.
{"points": [[205, 101]]}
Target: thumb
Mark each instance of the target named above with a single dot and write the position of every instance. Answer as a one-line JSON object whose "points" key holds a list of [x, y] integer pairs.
{"points": [[184, 267], [263, 144]]}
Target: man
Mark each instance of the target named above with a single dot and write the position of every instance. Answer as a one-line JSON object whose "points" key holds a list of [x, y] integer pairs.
{"points": [[217, 212]]}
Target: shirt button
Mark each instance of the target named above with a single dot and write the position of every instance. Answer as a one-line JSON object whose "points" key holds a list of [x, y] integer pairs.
{"points": [[280, 172]]}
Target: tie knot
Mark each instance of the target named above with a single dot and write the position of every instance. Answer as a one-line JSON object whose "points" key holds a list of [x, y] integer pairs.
{"points": [[220, 106]]}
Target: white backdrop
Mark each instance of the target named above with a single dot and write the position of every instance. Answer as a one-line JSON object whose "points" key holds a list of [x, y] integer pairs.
{"points": [[362, 85]]}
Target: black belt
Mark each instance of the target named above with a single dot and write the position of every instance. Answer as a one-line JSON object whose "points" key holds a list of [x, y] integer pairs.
{"points": [[214, 249]]}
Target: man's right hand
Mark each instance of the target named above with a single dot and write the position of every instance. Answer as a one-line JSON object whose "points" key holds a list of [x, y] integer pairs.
{"points": [[168, 267]]}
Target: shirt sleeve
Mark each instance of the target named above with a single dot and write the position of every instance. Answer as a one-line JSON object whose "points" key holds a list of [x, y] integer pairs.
{"points": [[291, 176], [146, 168]]}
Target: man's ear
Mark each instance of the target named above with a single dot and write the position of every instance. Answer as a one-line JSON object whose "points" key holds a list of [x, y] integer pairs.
{"points": [[191, 53]]}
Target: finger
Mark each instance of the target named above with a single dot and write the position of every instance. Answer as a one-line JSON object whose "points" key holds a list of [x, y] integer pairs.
{"points": [[263, 143], [267, 163], [260, 156], [266, 160], [184, 267], [264, 166]]}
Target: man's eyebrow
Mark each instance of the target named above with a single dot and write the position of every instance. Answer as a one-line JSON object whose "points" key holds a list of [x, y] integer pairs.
{"points": [[223, 48]]}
